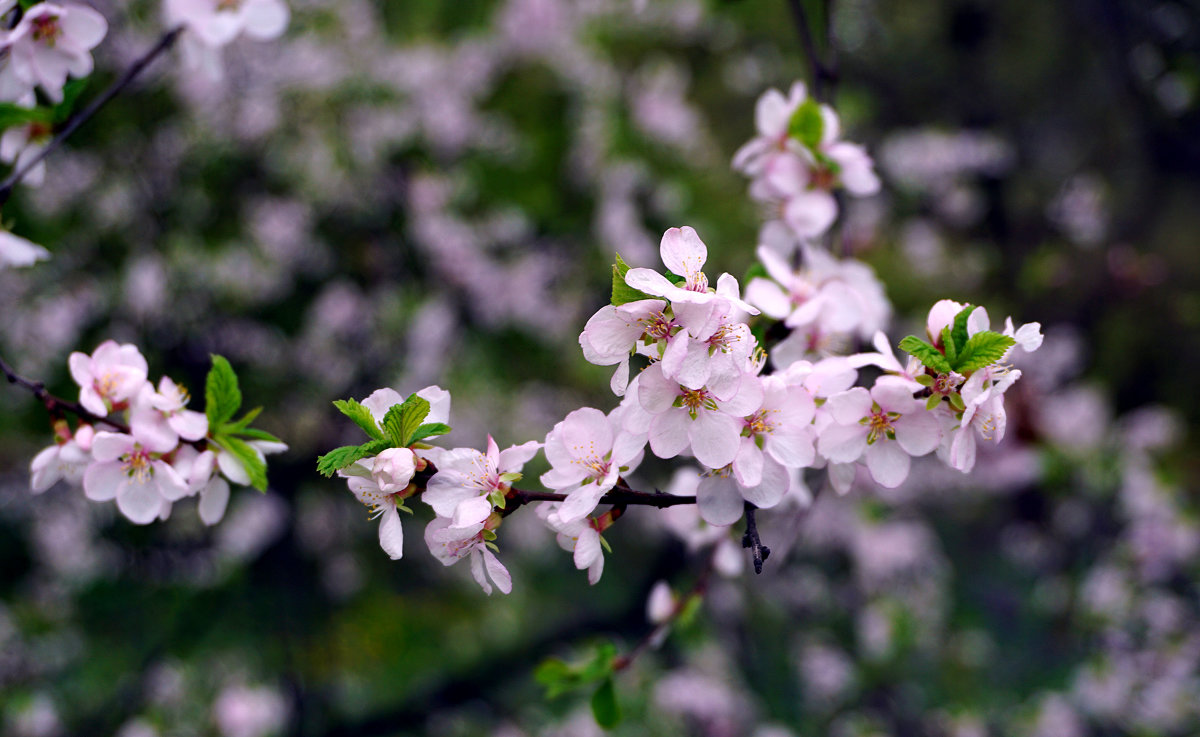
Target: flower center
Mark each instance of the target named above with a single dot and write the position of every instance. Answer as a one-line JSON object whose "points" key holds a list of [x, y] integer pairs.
{"points": [[228, 5], [758, 424], [137, 464], [46, 29], [879, 423], [694, 399], [657, 326]]}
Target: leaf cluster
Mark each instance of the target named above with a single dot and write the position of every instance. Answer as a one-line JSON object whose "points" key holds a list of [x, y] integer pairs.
{"points": [[402, 426], [222, 400], [559, 677], [960, 353], [12, 114]]}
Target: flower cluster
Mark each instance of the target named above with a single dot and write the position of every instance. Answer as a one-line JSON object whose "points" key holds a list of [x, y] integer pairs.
{"points": [[48, 43], [162, 451], [797, 160], [703, 389]]}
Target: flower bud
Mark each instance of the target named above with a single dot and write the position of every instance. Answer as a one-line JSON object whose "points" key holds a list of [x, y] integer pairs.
{"points": [[394, 469]]}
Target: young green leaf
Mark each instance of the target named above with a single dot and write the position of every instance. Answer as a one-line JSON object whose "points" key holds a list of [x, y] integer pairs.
{"points": [[402, 420], [949, 346], [338, 458], [12, 114], [960, 327], [360, 415], [605, 708], [806, 125], [622, 293], [925, 353], [428, 430], [234, 428], [255, 434], [222, 398], [255, 466], [556, 677], [70, 94], [983, 349]]}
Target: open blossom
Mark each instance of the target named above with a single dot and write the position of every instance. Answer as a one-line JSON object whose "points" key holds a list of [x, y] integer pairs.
{"points": [[158, 419], [684, 254], [22, 143], [50, 41], [884, 426], [578, 536], [66, 460], [613, 334], [112, 375], [467, 482], [450, 544], [587, 452], [19, 252], [213, 24], [198, 469], [772, 114], [143, 484], [379, 483]]}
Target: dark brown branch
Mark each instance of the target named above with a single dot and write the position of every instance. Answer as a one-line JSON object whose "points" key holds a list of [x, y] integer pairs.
{"points": [[824, 72], [72, 124], [621, 496], [57, 406], [751, 540]]}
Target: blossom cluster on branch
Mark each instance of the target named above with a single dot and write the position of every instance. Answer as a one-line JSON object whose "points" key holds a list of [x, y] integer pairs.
{"points": [[139, 445]]}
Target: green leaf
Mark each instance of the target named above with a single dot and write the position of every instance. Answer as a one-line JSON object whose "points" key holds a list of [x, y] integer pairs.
{"points": [[222, 398], [555, 676], [255, 466], [71, 91], [755, 271], [12, 114], [402, 420], [925, 353], [983, 349], [361, 416], [604, 705], [806, 125], [960, 327], [949, 346], [234, 428], [428, 430], [622, 293], [255, 434], [338, 458]]}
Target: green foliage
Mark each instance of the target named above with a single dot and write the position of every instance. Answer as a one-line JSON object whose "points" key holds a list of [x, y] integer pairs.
{"points": [[360, 415], [255, 466], [71, 91], [222, 397], [983, 349], [559, 677], [12, 114], [338, 458], [925, 353], [806, 125], [403, 420], [605, 708], [622, 293], [959, 332], [428, 430]]}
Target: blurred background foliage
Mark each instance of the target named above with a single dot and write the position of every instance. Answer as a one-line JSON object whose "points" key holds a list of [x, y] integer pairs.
{"points": [[407, 193]]}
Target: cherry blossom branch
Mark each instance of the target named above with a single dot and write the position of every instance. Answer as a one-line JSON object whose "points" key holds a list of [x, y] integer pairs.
{"points": [[824, 73], [620, 496], [751, 540], [621, 662], [55, 405], [75, 121]]}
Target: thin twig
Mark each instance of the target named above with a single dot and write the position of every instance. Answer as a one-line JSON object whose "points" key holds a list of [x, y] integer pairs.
{"points": [[72, 124], [621, 662], [824, 73], [56, 406], [751, 540], [620, 496]]}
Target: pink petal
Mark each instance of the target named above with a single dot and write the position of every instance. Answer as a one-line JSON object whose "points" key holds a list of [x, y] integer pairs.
{"points": [[719, 500], [682, 251], [918, 432], [391, 535], [265, 19], [669, 433], [888, 463], [213, 499], [714, 438], [139, 500], [498, 572]]}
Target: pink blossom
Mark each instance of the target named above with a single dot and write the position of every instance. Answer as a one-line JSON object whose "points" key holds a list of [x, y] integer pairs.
{"points": [[212, 24], [469, 483], [772, 114], [450, 544], [159, 419], [19, 252], [143, 484], [50, 42], [579, 536], [66, 460], [864, 424], [587, 454], [112, 375]]}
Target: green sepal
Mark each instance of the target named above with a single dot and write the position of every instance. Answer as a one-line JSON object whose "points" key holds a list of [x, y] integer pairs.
{"points": [[489, 535], [338, 458], [400, 506], [933, 401], [604, 544], [492, 547], [806, 124], [428, 430], [222, 397], [926, 354], [402, 420], [924, 379], [956, 401], [12, 114], [361, 416], [496, 497], [622, 293], [256, 467], [605, 708], [983, 349], [510, 477]]}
